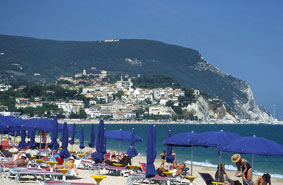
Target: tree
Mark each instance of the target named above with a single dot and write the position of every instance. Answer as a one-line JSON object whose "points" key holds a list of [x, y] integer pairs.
{"points": [[169, 103]]}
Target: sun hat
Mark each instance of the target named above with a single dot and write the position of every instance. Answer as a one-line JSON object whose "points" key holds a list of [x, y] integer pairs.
{"points": [[235, 158], [24, 155], [71, 158]]}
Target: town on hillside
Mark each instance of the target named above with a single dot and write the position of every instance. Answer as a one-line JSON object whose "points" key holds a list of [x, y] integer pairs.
{"points": [[87, 96]]}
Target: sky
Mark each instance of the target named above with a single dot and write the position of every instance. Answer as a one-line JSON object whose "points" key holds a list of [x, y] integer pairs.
{"points": [[241, 37]]}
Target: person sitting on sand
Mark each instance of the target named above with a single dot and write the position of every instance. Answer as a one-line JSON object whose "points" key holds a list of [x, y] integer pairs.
{"points": [[69, 165], [246, 168], [223, 175], [21, 161], [263, 180]]}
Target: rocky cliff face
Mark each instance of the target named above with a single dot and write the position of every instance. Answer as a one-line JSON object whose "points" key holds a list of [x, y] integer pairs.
{"points": [[209, 110], [244, 105]]}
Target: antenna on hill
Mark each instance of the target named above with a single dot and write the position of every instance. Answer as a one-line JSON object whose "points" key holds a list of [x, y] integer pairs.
{"points": [[273, 111]]}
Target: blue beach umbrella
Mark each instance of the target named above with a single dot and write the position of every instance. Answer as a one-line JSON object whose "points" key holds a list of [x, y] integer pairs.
{"points": [[132, 152], [72, 141], [150, 151], [169, 157], [32, 144], [64, 153], [54, 145], [92, 137], [39, 124], [82, 138], [254, 146], [121, 135], [104, 146], [98, 156], [23, 144], [216, 139], [186, 139]]}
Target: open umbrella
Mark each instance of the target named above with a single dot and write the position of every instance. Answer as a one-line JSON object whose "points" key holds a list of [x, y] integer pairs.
{"points": [[254, 146], [216, 139], [41, 124], [23, 144], [186, 139], [92, 137], [64, 153], [98, 156], [169, 157], [132, 152], [82, 138], [121, 135], [72, 141], [150, 151]]}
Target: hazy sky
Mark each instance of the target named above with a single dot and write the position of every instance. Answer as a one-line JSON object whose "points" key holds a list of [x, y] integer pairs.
{"points": [[241, 37]]}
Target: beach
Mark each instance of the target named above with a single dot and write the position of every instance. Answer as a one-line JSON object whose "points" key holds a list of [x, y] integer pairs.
{"points": [[84, 175]]}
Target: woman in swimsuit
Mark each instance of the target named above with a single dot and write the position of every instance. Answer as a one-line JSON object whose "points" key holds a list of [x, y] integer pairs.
{"points": [[163, 156], [243, 164]]}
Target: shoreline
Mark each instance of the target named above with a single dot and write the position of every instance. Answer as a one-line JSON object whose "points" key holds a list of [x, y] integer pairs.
{"points": [[96, 121]]}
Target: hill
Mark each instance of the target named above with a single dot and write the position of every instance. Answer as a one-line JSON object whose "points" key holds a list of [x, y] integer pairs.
{"points": [[38, 59]]}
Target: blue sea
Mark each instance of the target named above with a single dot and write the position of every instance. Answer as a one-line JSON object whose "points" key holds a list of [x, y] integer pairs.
{"points": [[207, 157]]}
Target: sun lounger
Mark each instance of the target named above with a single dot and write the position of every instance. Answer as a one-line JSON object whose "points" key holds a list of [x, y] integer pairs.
{"points": [[65, 183], [35, 173], [208, 179], [141, 176]]}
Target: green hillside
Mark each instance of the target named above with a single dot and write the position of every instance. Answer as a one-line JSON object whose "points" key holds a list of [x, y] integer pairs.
{"points": [[22, 57]]}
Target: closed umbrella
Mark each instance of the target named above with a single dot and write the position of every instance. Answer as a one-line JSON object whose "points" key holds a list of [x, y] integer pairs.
{"points": [[150, 151], [254, 146], [98, 156], [64, 153], [54, 145], [72, 141], [32, 144], [169, 157], [92, 137], [82, 138], [132, 152], [23, 144]]}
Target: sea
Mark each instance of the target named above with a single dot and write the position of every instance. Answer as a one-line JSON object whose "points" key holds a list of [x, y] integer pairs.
{"points": [[207, 157]]}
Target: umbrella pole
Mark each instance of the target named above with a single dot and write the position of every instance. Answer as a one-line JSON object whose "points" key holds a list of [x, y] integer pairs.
{"points": [[15, 139], [219, 166], [40, 141], [192, 156], [252, 170], [119, 147]]}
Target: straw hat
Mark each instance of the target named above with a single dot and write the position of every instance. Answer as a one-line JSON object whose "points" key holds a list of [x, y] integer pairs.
{"points": [[235, 158]]}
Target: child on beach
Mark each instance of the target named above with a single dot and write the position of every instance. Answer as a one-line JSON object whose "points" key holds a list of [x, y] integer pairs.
{"points": [[223, 175]]}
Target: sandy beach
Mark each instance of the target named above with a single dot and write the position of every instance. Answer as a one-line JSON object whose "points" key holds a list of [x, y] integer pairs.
{"points": [[84, 175]]}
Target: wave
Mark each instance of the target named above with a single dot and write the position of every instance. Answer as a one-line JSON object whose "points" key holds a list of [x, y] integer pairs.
{"points": [[206, 163]]}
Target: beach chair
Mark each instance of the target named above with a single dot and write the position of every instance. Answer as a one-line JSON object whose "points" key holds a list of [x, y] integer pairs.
{"points": [[208, 179], [133, 178], [143, 167], [64, 183], [107, 156]]}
